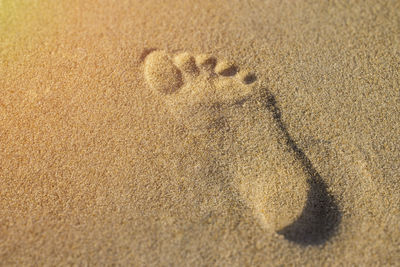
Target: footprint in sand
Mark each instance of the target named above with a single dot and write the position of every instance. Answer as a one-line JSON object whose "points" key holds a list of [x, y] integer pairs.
{"points": [[200, 92]]}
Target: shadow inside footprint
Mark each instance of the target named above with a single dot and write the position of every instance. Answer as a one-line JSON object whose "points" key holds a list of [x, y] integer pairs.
{"points": [[250, 79], [231, 71], [318, 220], [321, 214]]}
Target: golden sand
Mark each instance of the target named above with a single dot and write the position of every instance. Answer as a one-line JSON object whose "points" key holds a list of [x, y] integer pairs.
{"points": [[244, 133]]}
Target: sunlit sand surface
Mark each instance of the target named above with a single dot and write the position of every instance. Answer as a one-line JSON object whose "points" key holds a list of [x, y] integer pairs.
{"points": [[242, 133]]}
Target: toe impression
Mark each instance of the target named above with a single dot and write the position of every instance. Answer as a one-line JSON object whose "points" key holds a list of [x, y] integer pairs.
{"points": [[206, 62], [226, 68], [161, 74], [246, 77], [186, 63]]}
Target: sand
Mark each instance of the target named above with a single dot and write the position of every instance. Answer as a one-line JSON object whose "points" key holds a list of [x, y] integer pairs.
{"points": [[158, 133]]}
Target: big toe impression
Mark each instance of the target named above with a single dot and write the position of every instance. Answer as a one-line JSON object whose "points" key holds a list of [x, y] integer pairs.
{"points": [[161, 74]]}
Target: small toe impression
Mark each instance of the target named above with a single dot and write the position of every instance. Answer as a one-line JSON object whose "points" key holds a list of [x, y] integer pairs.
{"points": [[246, 77], [226, 68], [186, 63], [206, 62], [161, 74]]}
